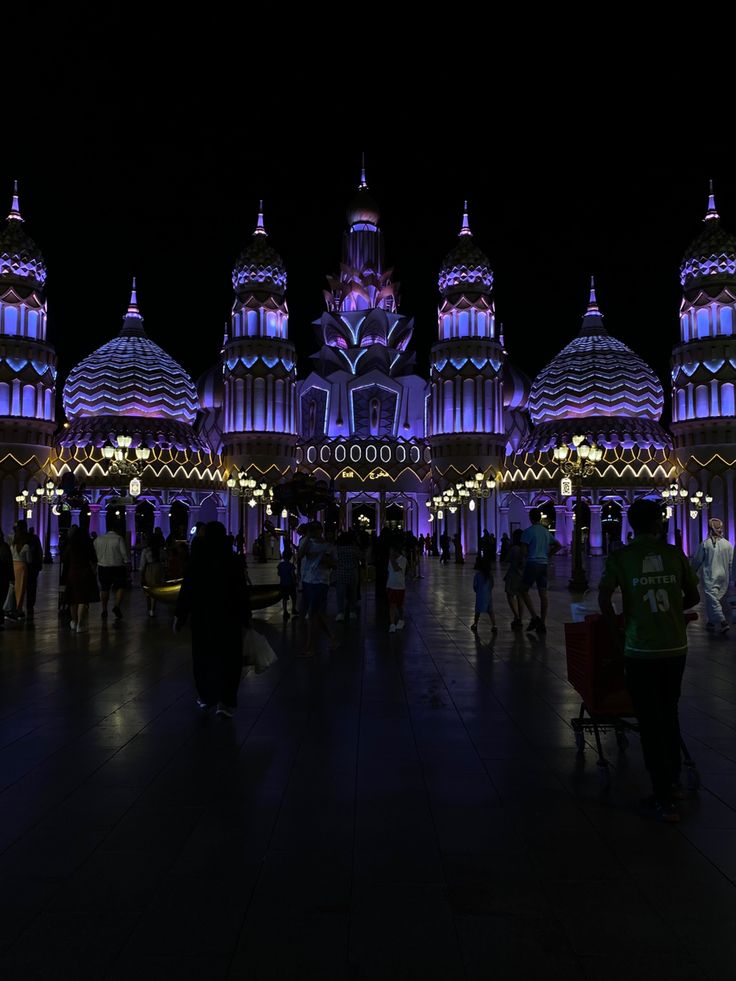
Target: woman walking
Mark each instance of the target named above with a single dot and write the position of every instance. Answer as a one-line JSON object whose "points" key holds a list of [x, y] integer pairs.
{"points": [[21, 553], [152, 568], [512, 579], [80, 560]]}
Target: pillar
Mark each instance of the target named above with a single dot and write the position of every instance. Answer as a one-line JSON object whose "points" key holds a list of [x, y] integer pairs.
{"points": [[130, 524], [94, 518], [624, 521], [596, 530], [563, 533]]}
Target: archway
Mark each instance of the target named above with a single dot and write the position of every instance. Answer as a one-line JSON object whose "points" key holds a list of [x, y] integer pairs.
{"points": [[611, 524], [549, 515], [115, 517], [581, 513], [179, 521], [144, 522], [395, 517], [363, 517]]}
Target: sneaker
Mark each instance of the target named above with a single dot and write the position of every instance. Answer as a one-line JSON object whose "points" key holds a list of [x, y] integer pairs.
{"points": [[81, 628], [392, 628], [117, 613], [724, 628], [225, 710], [339, 618], [664, 811], [474, 627], [532, 625], [494, 629], [151, 613], [541, 629], [72, 625], [203, 705], [516, 625], [400, 625]]}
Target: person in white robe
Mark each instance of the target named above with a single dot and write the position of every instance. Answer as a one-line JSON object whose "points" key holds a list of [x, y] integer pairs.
{"points": [[714, 560]]}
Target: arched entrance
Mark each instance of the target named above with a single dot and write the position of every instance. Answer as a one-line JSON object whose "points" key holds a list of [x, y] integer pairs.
{"points": [[549, 515], [395, 517], [179, 521], [581, 513], [611, 515], [144, 522], [115, 517], [364, 517]]}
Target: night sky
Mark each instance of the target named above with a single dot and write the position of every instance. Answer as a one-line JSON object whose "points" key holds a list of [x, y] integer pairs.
{"points": [[161, 186]]}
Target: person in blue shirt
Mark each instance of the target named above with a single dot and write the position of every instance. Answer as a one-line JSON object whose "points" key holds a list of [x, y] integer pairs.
{"points": [[537, 543]]}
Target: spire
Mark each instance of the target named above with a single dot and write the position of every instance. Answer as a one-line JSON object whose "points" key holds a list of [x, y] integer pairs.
{"points": [[465, 230], [260, 228], [15, 214], [592, 302], [593, 319], [362, 186], [133, 310], [711, 213]]}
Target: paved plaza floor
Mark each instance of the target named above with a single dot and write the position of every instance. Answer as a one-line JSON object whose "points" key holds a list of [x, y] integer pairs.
{"points": [[409, 807]]}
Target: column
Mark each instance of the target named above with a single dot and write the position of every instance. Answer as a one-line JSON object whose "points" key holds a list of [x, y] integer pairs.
{"points": [[156, 517], [221, 510], [503, 523], [562, 529], [596, 530], [130, 524], [624, 521], [94, 518]]}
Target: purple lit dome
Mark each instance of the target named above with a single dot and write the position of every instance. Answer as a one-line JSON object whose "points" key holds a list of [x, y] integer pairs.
{"points": [[20, 258], [211, 387], [595, 375], [363, 209], [516, 387], [465, 268], [131, 376], [260, 268], [711, 257]]}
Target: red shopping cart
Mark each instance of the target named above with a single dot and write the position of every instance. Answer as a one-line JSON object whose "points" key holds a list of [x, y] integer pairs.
{"points": [[595, 669]]}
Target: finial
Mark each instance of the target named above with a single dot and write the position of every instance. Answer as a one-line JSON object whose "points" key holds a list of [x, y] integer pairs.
{"points": [[592, 302], [362, 186], [260, 229], [133, 310], [465, 230], [711, 213], [15, 207]]}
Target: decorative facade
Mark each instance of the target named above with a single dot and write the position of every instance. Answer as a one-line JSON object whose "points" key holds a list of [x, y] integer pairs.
{"points": [[27, 371]]}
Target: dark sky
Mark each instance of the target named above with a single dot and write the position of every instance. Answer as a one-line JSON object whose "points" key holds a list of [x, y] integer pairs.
{"points": [[164, 183]]}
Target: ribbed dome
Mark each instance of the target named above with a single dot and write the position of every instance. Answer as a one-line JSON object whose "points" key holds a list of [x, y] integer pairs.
{"points": [[516, 386], [20, 258], [465, 268], [711, 257], [595, 375], [260, 267], [211, 388], [130, 376]]}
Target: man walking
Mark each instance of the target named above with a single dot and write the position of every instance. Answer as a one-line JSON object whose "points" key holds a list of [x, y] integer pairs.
{"points": [[538, 543], [657, 586], [713, 560], [112, 568]]}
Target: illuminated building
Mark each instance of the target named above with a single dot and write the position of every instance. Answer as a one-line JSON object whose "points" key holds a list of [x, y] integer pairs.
{"points": [[704, 375], [362, 407], [27, 369], [599, 388], [131, 387]]}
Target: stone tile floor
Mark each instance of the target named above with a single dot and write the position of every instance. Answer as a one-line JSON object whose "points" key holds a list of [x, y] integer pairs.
{"points": [[410, 807]]}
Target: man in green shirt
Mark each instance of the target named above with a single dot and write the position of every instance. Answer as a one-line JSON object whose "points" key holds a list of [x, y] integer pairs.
{"points": [[657, 586]]}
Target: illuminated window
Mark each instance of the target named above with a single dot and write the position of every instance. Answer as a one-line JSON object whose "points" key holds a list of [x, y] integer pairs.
{"points": [[685, 327], [464, 324], [32, 323], [259, 404], [726, 320], [468, 405], [48, 409], [448, 401], [29, 401], [681, 407], [4, 399], [252, 323], [703, 323], [728, 408], [271, 325], [11, 320], [701, 402]]}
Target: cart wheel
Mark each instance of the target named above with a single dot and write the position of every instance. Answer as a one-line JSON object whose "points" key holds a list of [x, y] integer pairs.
{"points": [[692, 778], [580, 743], [622, 740], [604, 775]]}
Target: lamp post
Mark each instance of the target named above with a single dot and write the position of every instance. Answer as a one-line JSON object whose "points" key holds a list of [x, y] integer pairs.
{"points": [[674, 493], [27, 501], [481, 488], [578, 463], [698, 502]]}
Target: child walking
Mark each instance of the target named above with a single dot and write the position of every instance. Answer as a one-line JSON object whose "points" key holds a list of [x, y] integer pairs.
{"points": [[483, 586], [287, 581], [395, 588]]}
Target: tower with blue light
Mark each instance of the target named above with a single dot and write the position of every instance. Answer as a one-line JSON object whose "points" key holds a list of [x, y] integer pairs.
{"points": [[27, 366], [259, 365], [465, 417], [704, 371]]}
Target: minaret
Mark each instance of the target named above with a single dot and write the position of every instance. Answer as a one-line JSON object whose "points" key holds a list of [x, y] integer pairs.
{"points": [[465, 415], [27, 365], [259, 364], [704, 371]]}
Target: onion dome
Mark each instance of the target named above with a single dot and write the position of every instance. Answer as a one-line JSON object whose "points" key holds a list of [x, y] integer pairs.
{"points": [[211, 387], [131, 376], [363, 210], [465, 268], [20, 258], [711, 258], [259, 267], [516, 386], [595, 375]]}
